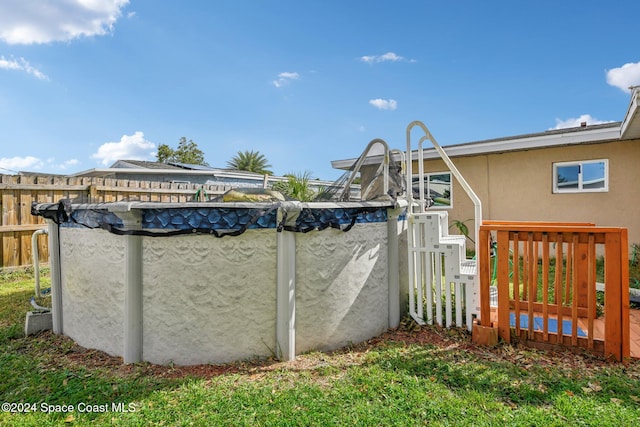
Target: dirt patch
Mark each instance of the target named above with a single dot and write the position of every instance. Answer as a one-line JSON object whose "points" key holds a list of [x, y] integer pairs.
{"points": [[64, 352]]}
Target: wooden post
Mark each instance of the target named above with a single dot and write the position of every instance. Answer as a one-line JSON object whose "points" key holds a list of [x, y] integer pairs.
{"points": [[503, 286], [624, 266], [591, 289], [532, 268], [10, 241], [582, 266], [485, 277], [545, 286], [575, 293], [93, 193], [516, 281], [613, 297], [558, 284], [568, 271]]}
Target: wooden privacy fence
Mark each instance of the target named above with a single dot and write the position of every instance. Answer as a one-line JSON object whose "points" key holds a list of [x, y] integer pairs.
{"points": [[546, 276], [18, 192]]}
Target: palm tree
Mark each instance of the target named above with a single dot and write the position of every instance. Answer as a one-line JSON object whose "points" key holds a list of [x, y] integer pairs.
{"points": [[251, 161], [296, 187]]}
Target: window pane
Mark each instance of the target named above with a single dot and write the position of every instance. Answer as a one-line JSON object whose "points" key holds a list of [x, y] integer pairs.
{"points": [[567, 177], [415, 185], [440, 189], [593, 175]]}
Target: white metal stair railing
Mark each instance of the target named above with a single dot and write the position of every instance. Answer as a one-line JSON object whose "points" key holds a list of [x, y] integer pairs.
{"points": [[438, 267]]}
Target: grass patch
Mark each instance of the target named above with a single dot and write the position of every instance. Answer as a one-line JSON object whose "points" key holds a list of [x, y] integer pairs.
{"points": [[423, 376], [16, 289]]}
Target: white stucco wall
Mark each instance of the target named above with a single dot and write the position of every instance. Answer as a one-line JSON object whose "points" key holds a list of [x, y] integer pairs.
{"points": [[213, 300], [341, 286], [208, 299], [92, 270]]}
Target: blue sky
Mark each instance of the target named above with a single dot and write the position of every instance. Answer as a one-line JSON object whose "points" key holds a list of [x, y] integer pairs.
{"points": [[86, 82]]}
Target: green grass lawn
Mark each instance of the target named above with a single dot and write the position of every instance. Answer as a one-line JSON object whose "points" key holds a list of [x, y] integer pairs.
{"points": [[413, 376]]}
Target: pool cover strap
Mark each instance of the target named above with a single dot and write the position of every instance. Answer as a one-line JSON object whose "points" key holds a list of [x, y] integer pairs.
{"points": [[302, 228]]}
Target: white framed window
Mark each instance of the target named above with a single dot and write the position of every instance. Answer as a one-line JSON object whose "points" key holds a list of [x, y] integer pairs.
{"points": [[581, 176], [438, 189]]}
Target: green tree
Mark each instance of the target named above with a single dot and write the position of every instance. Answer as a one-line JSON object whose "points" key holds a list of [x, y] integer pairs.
{"points": [[251, 161], [187, 152], [165, 153]]}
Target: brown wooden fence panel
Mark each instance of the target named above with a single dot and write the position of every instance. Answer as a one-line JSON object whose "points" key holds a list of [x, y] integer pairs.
{"points": [[18, 192], [527, 289]]}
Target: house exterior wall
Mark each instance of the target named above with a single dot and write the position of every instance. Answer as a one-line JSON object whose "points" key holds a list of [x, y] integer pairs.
{"points": [[187, 178], [519, 186]]}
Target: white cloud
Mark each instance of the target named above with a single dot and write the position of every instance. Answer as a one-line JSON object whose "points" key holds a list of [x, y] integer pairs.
{"points": [[576, 122], [21, 64], [389, 56], [35, 21], [285, 78], [625, 76], [62, 166], [31, 164], [15, 164], [384, 104], [130, 147]]}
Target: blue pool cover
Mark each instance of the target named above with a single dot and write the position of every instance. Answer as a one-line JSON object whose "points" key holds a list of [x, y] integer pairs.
{"points": [[538, 324]]}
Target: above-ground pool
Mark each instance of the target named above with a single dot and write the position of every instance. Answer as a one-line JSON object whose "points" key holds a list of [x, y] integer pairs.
{"points": [[197, 283]]}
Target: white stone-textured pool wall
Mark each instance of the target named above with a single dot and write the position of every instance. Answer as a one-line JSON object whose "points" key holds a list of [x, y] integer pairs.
{"points": [[214, 300]]}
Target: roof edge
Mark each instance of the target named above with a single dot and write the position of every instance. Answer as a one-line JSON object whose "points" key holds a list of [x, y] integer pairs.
{"points": [[633, 114], [552, 138]]}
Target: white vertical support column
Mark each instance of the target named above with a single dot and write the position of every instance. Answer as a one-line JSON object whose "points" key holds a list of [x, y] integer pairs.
{"points": [[285, 293], [429, 278], [470, 300], [393, 267], [56, 278], [420, 286], [459, 287], [438, 285], [133, 289], [411, 261], [448, 297]]}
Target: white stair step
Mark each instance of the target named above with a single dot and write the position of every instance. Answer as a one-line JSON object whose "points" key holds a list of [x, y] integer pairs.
{"points": [[456, 240], [469, 267]]}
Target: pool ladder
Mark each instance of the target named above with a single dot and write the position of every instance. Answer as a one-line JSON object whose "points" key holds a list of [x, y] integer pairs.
{"points": [[431, 249]]}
